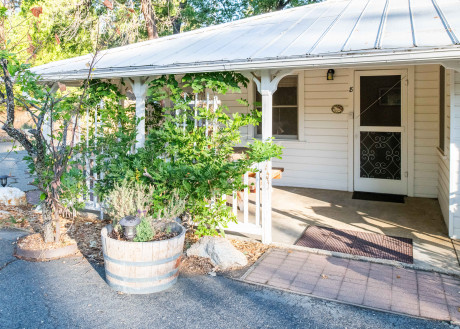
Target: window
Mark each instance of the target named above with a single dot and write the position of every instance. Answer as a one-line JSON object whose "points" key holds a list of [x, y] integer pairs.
{"points": [[285, 109], [442, 107]]}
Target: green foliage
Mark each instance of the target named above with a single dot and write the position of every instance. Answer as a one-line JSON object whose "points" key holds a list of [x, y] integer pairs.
{"points": [[144, 231], [193, 162], [128, 199], [213, 217], [69, 28]]}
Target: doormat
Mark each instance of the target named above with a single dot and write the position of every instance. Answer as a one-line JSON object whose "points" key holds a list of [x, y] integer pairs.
{"points": [[378, 197], [358, 243]]}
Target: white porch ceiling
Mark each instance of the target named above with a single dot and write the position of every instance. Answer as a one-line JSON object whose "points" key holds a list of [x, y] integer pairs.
{"points": [[331, 33]]}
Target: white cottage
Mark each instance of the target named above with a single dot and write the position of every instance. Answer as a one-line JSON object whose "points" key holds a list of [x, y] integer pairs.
{"points": [[363, 94]]}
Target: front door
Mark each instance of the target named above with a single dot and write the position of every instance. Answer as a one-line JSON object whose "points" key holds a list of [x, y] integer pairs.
{"points": [[380, 137]]}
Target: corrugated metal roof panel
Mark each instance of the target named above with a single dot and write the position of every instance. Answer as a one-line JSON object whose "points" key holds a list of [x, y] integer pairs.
{"points": [[328, 30], [428, 26], [366, 31]]}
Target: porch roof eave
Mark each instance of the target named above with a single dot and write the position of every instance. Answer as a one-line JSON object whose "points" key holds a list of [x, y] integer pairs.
{"points": [[349, 59]]}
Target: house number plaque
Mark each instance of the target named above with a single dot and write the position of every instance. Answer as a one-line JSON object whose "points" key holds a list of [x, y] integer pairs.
{"points": [[337, 108]]}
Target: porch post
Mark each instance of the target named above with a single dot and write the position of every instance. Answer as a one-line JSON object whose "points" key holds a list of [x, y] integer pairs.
{"points": [[139, 87], [47, 128], [267, 124], [267, 85], [454, 156]]}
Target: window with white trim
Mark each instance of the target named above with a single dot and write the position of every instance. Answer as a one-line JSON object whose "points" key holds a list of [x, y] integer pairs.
{"points": [[285, 109]]}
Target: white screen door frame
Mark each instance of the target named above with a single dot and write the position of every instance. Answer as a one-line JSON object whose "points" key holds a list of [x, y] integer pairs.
{"points": [[378, 185]]}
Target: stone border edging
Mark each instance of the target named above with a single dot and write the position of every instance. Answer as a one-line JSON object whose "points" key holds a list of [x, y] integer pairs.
{"points": [[45, 255]]}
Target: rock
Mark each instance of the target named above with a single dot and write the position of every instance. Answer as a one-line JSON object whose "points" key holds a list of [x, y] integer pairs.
{"points": [[5, 214], [38, 209], [220, 251], [12, 196]]}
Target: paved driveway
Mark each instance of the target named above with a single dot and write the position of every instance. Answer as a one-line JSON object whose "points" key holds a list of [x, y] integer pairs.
{"points": [[72, 294]]}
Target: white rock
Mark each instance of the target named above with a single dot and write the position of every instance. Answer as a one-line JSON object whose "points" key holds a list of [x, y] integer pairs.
{"points": [[38, 209], [4, 214], [220, 251], [12, 196]]}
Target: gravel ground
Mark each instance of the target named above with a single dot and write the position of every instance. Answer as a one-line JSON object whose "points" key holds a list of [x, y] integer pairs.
{"points": [[72, 293]]}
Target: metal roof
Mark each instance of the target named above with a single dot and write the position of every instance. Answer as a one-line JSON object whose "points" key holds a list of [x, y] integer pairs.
{"points": [[334, 32]]}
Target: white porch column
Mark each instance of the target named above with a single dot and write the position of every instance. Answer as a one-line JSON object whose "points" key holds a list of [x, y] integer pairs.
{"points": [[454, 156], [139, 86], [47, 127], [267, 85]]}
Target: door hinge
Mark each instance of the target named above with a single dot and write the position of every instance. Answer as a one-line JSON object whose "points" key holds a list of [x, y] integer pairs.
{"points": [[406, 174]]}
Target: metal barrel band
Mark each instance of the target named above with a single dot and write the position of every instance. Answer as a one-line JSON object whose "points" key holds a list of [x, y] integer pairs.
{"points": [[146, 290], [142, 264], [148, 279]]}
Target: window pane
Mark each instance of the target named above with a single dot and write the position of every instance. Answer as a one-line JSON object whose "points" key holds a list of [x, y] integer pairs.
{"points": [[381, 101], [285, 96], [284, 122]]}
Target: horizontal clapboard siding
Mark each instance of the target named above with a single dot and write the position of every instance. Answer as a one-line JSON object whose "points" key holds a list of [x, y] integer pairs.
{"points": [[231, 101], [321, 160], [426, 114]]}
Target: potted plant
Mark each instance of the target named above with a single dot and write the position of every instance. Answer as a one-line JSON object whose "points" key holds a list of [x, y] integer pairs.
{"points": [[142, 252]]}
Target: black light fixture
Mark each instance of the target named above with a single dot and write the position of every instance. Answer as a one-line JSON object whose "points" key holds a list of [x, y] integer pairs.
{"points": [[129, 224], [4, 180], [330, 74]]}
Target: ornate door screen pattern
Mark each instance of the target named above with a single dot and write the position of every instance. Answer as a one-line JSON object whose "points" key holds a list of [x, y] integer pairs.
{"points": [[380, 119], [380, 155]]}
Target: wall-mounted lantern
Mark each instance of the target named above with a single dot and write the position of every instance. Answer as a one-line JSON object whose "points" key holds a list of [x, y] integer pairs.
{"points": [[330, 74]]}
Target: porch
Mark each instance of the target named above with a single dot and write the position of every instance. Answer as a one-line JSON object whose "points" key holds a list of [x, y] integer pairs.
{"points": [[420, 219]]}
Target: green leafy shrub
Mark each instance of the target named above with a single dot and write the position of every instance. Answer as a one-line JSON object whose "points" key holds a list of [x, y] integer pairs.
{"points": [[184, 161], [128, 199], [144, 231]]}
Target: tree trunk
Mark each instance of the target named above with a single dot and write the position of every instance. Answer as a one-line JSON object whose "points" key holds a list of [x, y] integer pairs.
{"points": [[177, 20], [282, 4], [47, 213], [150, 19]]}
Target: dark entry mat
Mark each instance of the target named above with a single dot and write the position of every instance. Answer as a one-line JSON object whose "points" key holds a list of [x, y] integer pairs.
{"points": [[358, 243], [378, 197]]}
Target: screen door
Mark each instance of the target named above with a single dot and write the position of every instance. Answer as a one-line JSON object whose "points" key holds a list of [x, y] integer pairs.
{"points": [[380, 138]]}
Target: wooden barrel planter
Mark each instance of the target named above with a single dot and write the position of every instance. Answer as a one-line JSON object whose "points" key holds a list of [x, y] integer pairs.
{"points": [[142, 267]]}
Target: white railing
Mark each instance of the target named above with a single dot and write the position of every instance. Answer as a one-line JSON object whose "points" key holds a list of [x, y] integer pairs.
{"points": [[91, 199], [247, 204]]}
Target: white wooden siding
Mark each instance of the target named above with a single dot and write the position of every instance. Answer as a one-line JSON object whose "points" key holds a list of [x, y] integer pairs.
{"points": [[426, 126], [443, 163], [231, 101], [322, 159]]}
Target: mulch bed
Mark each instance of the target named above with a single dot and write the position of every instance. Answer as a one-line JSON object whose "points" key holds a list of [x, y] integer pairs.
{"points": [[86, 232], [358, 243]]}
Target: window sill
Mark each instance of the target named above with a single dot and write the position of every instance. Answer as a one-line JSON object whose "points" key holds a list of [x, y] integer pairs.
{"points": [[281, 142]]}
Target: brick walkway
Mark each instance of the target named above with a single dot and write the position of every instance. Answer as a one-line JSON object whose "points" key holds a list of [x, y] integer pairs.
{"points": [[385, 287]]}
